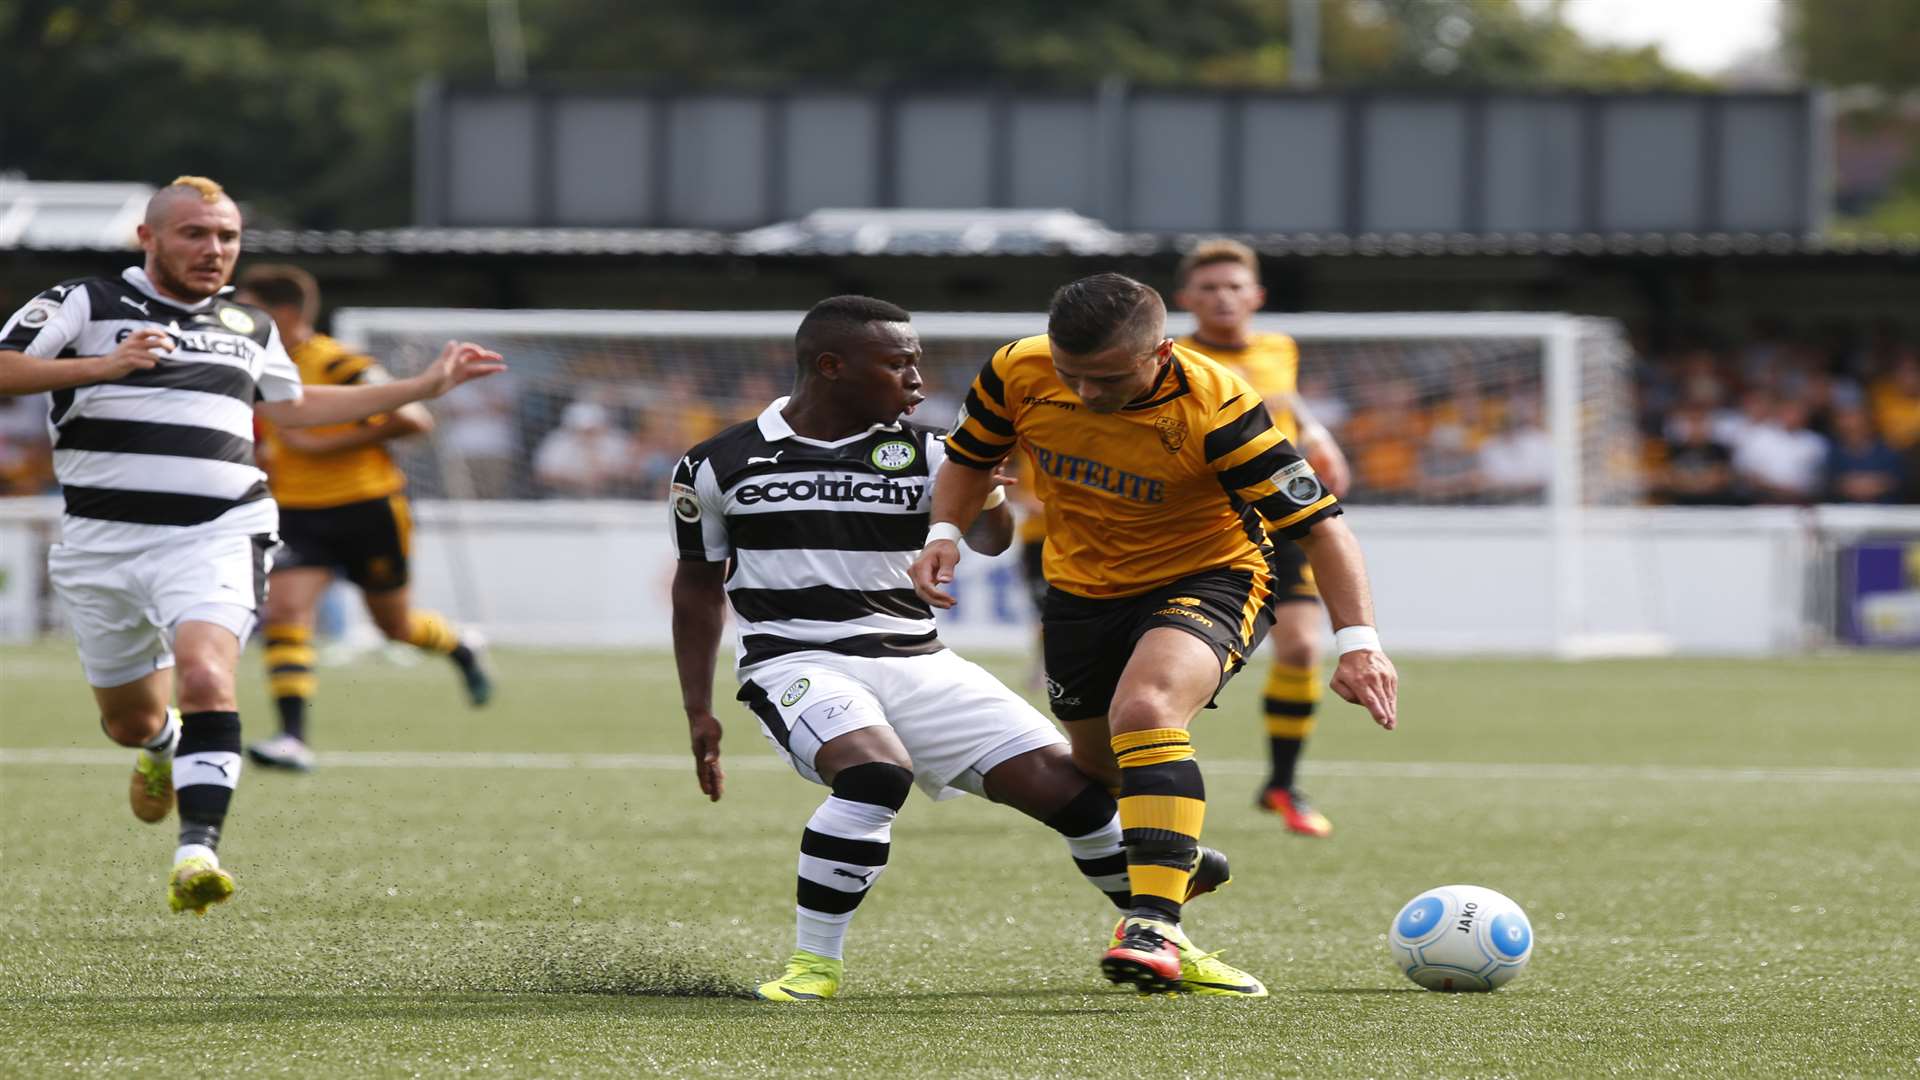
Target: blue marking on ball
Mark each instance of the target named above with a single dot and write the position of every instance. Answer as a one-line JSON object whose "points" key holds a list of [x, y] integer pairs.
{"points": [[1511, 935], [1419, 918]]}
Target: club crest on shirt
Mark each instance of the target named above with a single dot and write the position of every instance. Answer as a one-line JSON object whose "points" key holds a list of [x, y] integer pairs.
{"points": [[795, 692], [1303, 490], [685, 506], [236, 320], [1173, 433], [892, 455]]}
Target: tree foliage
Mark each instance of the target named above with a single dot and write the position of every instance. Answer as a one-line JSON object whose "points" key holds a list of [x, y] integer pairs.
{"points": [[305, 106]]}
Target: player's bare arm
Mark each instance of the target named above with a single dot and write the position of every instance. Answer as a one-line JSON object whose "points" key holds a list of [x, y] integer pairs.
{"points": [[1364, 676], [410, 420], [699, 619], [23, 374], [1319, 447], [459, 362], [992, 532], [958, 494]]}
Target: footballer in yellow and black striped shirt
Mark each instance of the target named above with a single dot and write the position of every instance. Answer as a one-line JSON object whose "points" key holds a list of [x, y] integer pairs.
{"points": [[343, 508], [1158, 469]]}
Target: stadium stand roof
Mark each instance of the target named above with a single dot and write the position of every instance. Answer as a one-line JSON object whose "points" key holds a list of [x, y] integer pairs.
{"points": [[38, 215], [100, 217]]}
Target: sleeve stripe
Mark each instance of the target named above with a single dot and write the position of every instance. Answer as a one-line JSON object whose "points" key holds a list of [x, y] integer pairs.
{"points": [[1248, 473], [960, 457], [965, 442], [1238, 432], [986, 417], [990, 379], [1296, 519]]}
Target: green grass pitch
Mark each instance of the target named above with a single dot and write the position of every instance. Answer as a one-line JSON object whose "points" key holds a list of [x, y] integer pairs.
{"points": [[1721, 861]]}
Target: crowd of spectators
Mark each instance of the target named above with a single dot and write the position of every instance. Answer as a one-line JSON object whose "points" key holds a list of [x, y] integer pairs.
{"points": [[1771, 419], [1779, 420]]}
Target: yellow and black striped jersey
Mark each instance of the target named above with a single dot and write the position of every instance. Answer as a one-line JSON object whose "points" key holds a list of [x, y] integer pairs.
{"points": [[1271, 362], [1172, 485], [314, 481]]}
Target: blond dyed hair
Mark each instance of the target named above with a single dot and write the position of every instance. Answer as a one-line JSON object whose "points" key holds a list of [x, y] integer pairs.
{"points": [[209, 190], [1210, 252]]}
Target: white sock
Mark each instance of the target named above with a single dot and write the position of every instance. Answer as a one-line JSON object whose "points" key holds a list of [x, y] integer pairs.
{"points": [[843, 850], [160, 747], [194, 851], [821, 935]]}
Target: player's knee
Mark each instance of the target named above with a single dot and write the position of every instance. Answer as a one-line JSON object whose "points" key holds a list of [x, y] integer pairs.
{"points": [[881, 783], [1296, 647], [394, 624], [205, 683], [1144, 711], [133, 726]]}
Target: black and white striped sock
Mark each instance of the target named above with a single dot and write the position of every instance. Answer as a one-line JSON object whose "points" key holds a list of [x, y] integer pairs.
{"points": [[1091, 824], [206, 766], [843, 851]]}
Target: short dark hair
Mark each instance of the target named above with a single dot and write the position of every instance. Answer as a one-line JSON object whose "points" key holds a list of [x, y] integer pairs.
{"points": [[1102, 311], [283, 285], [833, 323]]}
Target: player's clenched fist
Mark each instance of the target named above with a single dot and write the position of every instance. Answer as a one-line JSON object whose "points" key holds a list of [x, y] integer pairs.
{"points": [[137, 351]]}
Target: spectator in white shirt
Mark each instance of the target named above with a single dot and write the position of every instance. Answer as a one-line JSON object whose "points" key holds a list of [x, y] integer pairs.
{"points": [[584, 457], [1782, 461]]}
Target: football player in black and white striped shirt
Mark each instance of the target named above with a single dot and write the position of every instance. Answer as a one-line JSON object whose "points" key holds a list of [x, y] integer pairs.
{"points": [[162, 561], [805, 521]]}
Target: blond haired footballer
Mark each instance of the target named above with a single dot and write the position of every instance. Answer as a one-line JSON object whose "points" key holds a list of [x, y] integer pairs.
{"points": [[1162, 475], [156, 376], [1219, 282]]}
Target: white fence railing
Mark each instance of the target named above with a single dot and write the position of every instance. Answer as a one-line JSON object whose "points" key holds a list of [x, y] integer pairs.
{"points": [[1447, 581]]}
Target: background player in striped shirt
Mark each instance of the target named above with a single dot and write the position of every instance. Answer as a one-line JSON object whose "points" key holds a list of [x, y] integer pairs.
{"points": [[1160, 472], [156, 377], [804, 520], [1219, 282], [343, 507]]}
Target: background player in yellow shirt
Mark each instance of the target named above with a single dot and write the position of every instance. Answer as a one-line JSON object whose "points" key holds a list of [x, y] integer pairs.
{"points": [[343, 508], [1219, 282], [1161, 474]]}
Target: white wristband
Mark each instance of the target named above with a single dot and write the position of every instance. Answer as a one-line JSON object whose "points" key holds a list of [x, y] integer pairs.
{"points": [[942, 530], [1354, 638], [995, 497]]}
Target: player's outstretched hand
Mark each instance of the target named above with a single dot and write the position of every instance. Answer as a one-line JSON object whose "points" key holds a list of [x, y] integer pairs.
{"points": [[705, 730], [1367, 678], [462, 361], [933, 569], [138, 351]]}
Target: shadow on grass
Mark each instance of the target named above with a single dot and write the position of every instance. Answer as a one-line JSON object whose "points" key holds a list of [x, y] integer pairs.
{"points": [[1362, 990]]}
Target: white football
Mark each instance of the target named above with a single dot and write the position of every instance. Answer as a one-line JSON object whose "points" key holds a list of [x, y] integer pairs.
{"points": [[1461, 937]]}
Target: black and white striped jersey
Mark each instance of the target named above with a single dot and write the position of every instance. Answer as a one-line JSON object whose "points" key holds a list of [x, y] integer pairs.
{"points": [[164, 453], [821, 534]]}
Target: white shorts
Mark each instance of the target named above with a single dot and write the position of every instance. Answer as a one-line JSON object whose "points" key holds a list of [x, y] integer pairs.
{"points": [[957, 721], [124, 606]]}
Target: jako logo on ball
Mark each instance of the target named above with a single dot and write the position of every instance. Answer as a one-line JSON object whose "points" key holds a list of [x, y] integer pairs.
{"points": [[1461, 937]]}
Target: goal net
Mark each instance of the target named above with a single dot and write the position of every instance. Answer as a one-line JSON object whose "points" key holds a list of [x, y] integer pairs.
{"points": [[1462, 420]]}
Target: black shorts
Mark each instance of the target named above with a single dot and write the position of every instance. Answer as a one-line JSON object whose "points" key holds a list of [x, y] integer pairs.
{"points": [[1031, 556], [1293, 578], [1087, 643], [367, 542]]}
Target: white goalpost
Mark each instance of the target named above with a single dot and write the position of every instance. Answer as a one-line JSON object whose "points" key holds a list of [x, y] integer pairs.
{"points": [[1467, 556]]}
